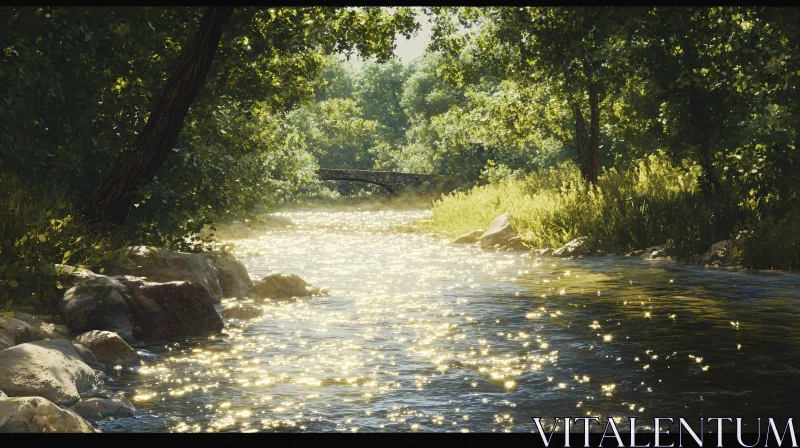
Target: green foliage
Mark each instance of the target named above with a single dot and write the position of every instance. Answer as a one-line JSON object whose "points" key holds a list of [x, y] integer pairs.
{"points": [[39, 229], [79, 84]]}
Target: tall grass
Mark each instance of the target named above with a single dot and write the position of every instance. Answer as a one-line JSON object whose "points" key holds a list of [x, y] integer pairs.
{"points": [[647, 204], [624, 211]]}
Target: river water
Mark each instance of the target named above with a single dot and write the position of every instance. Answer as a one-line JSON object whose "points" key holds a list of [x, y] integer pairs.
{"points": [[418, 335]]}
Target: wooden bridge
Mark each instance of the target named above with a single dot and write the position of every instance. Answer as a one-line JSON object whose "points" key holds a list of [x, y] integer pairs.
{"points": [[394, 182]]}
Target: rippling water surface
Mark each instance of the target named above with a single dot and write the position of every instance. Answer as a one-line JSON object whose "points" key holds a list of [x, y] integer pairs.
{"points": [[417, 335]]}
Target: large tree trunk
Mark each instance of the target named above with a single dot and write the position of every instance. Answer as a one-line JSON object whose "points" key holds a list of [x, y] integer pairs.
{"points": [[113, 199], [698, 114], [585, 159], [593, 169]]}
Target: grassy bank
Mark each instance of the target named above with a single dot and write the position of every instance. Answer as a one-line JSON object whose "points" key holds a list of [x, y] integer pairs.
{"points": [[645, 205]]}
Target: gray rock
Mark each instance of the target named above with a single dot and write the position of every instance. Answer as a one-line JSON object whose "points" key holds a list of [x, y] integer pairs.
{"points": [[635, 253], [96, 409], [281, 286], [499, 231], [108, 348], [469, 237], [138, 310], [235, 230], [74, 274], [98, 304], [20, 330], [37, 415], [723, 253], [88, 357], [6, 340], [45, 330], [577, 247], [161, 265], [542, 252], [514, 244], [242, 311], [233, 277], [50, 369]]}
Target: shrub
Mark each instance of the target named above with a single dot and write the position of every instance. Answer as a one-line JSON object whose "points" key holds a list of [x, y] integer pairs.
{"points": [[38, 229]]}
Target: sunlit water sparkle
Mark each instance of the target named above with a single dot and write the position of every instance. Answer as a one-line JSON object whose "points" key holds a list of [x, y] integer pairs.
{"points": [[419, 335]]}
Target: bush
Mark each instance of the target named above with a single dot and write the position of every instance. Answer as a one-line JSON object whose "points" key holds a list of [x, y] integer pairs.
{"points": [[38, 229], [646, 204]]}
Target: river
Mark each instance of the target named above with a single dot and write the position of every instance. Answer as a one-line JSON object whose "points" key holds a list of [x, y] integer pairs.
{"points": [[418, 335]]}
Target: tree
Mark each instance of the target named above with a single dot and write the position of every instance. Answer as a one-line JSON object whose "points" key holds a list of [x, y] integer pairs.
{"points": [[113, 199], [572, 50]]}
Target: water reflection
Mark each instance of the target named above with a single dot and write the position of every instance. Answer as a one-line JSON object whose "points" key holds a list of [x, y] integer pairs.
{"points": [[417, 335]]}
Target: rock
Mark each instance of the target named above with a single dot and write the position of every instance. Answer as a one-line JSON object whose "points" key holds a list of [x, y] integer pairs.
{"points": [[577, 247], [53, 331], [514, 243], [499, 231], [235, 230], [108, 348], [161, 265], [6, 340], [281, 286], [542, 252], [96, 409], [723, 253], [138, 310], [88, 357], [242, 311], [20, 330], [635, 253], [74, 274], [231, 273], [50, 369], [469, 237], [37, 415], [45, 330], [98, 304]]}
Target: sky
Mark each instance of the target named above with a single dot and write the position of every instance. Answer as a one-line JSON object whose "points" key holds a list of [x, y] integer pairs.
{"points": [[407, 49]]}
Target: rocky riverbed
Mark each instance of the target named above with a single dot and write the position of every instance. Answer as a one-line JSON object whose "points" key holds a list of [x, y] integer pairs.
{"points": [[52, 376]]}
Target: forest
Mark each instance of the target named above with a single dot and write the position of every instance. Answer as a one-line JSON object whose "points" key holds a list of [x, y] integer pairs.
{"points": [[633, 126]]}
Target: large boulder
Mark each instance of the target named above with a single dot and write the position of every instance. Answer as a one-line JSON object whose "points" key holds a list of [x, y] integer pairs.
{"points": [[469, 237], [138, 310], [98, 304], [37, 415], [50, 369], [233, 277], [281, 286], [577, 247], [242, 311], [102, 408], [499, 231], [108, 348], [162, 265]]}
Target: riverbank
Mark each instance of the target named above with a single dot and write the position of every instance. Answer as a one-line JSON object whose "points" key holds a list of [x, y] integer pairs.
{"points": [[652, 204]]}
